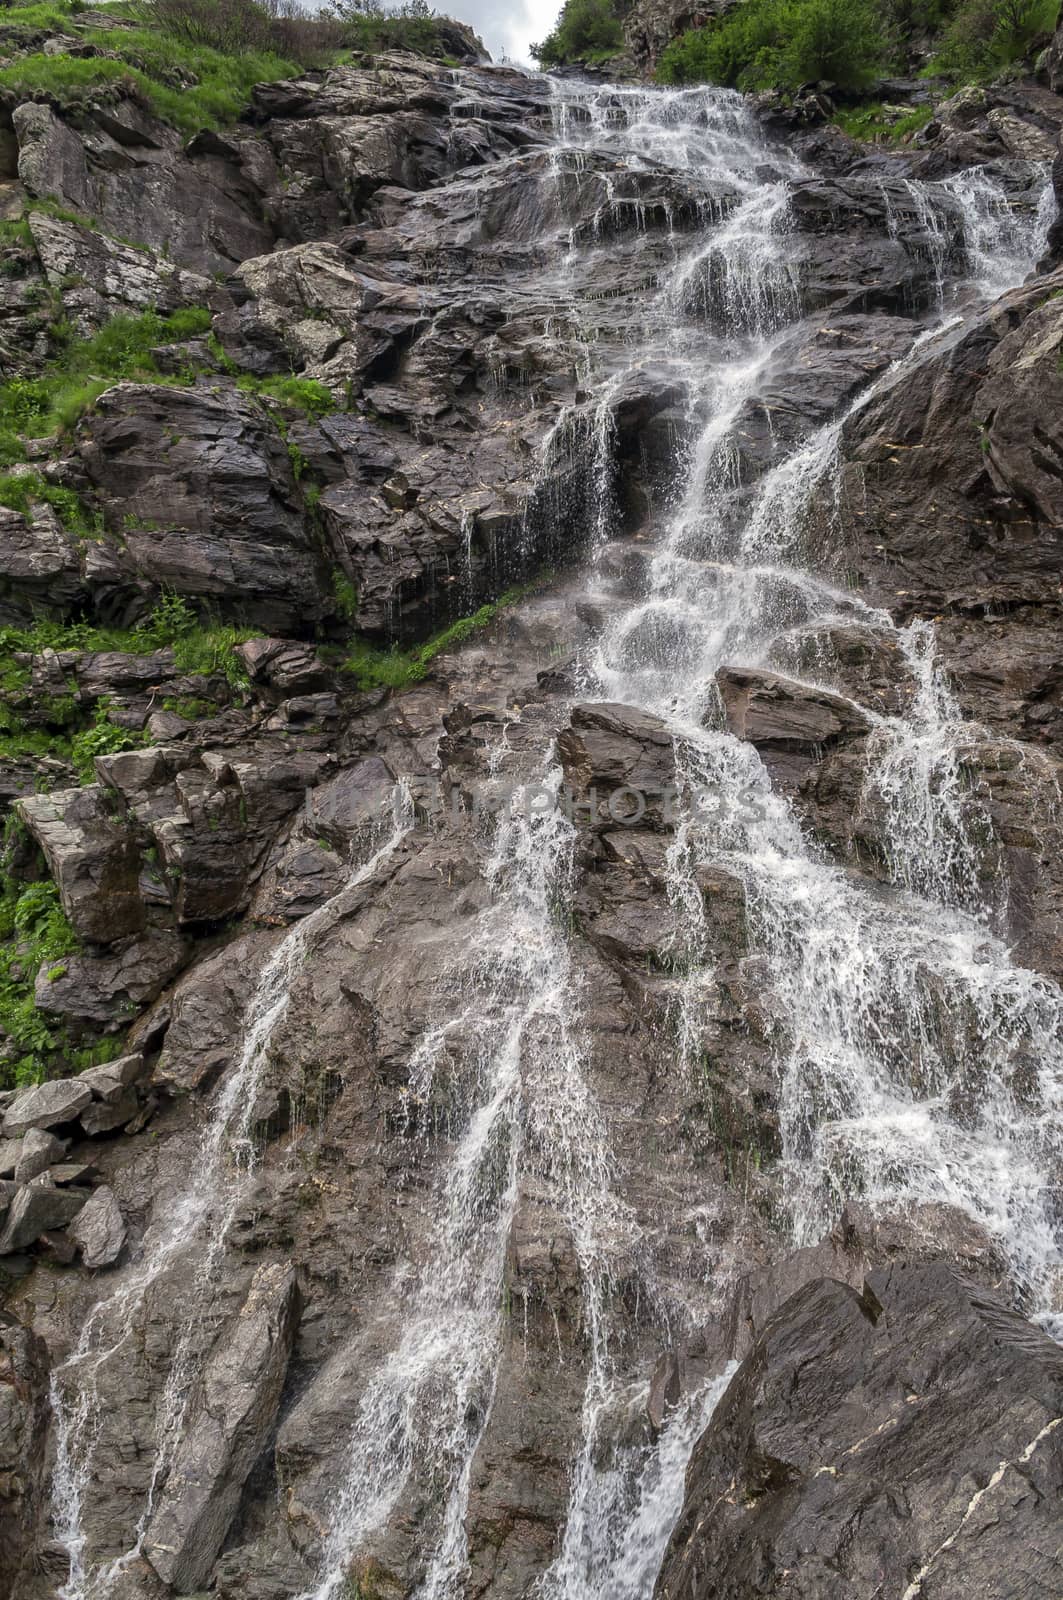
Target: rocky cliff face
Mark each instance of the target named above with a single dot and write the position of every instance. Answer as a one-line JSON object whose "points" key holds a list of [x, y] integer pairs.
{"points": [[662, 977]]}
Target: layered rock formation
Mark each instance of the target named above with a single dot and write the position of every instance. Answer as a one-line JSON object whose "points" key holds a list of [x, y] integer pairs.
{"points": [[454, 1148]]}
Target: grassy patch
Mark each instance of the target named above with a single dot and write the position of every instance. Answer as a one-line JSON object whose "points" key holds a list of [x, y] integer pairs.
{"points": [[101, 738], [33, 930], [874, 126], [302, 394], [83, 368], [19, 491], [155, 69], [398, 669]]}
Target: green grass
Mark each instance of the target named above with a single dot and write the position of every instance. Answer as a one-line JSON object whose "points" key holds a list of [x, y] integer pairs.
{"points": [[302, 394], [101, 738], [398, 669], [56, 17], [152, 66], [870, 125], [19, 491], [34, 932], [82, 369]]}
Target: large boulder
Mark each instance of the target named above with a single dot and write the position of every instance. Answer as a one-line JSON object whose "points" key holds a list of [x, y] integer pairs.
{"points": [[99, 1229], [93, 859], [36, 1208], [46, 1105], [905, 1439], [235, 1409]]}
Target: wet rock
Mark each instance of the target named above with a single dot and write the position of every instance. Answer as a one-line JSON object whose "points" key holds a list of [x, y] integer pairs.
{"points": [[923, 1380], [23, 1434], [665, 1389], [620, 761], [36, 1208], [954, 497], [206, 1013], [39, 1151], [235, 1410], [305, 877], [46, 1105], [355, 799], [791, 724], [99, 1230]]}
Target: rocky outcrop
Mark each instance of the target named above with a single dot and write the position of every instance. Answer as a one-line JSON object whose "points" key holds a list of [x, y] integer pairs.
{"points": [[240, 1389], [953, 499], [432, 368], [908, 1430]]}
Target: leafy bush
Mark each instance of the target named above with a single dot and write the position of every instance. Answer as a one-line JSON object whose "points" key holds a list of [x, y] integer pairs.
{"points": [[101, 738], [586, 30], [304, 394], [986, 36], [781, 44], [33, 930], [18, 491]]}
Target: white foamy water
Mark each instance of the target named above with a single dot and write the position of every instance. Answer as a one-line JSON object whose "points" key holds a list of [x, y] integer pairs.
{"points": [[917, 1064]]}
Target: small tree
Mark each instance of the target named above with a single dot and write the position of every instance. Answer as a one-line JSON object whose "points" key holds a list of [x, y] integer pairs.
{"points": [[585, 29]]}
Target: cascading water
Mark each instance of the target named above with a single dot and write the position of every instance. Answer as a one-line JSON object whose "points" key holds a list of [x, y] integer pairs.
{"points": [[918, 1064], [197, 1224], [876, 999]]}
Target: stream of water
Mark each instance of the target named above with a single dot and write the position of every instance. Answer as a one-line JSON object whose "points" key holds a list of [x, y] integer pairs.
{"points": [[918, 1064]]}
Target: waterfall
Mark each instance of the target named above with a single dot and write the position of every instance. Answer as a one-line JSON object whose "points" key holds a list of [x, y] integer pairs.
{"points": [[876, 998], [918, 1064], [904, 1030], [199, 1221]]}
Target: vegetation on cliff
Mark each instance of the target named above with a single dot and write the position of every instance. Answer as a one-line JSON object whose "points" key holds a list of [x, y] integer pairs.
{"points": [[193, 63], [781, 44], [587, 30]]}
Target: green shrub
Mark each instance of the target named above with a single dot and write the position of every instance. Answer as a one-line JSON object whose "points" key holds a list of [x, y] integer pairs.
{"points": [[235, 27], [102, 738], [986, 36], [586, 30], [781, 44], [305, 394], [33, 930]]}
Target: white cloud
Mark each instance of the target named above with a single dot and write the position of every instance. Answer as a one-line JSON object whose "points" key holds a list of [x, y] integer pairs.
{"points": [[510, 30]]}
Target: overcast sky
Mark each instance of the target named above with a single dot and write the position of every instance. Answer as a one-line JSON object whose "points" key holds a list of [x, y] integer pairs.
{"points": [[505, 25]]}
